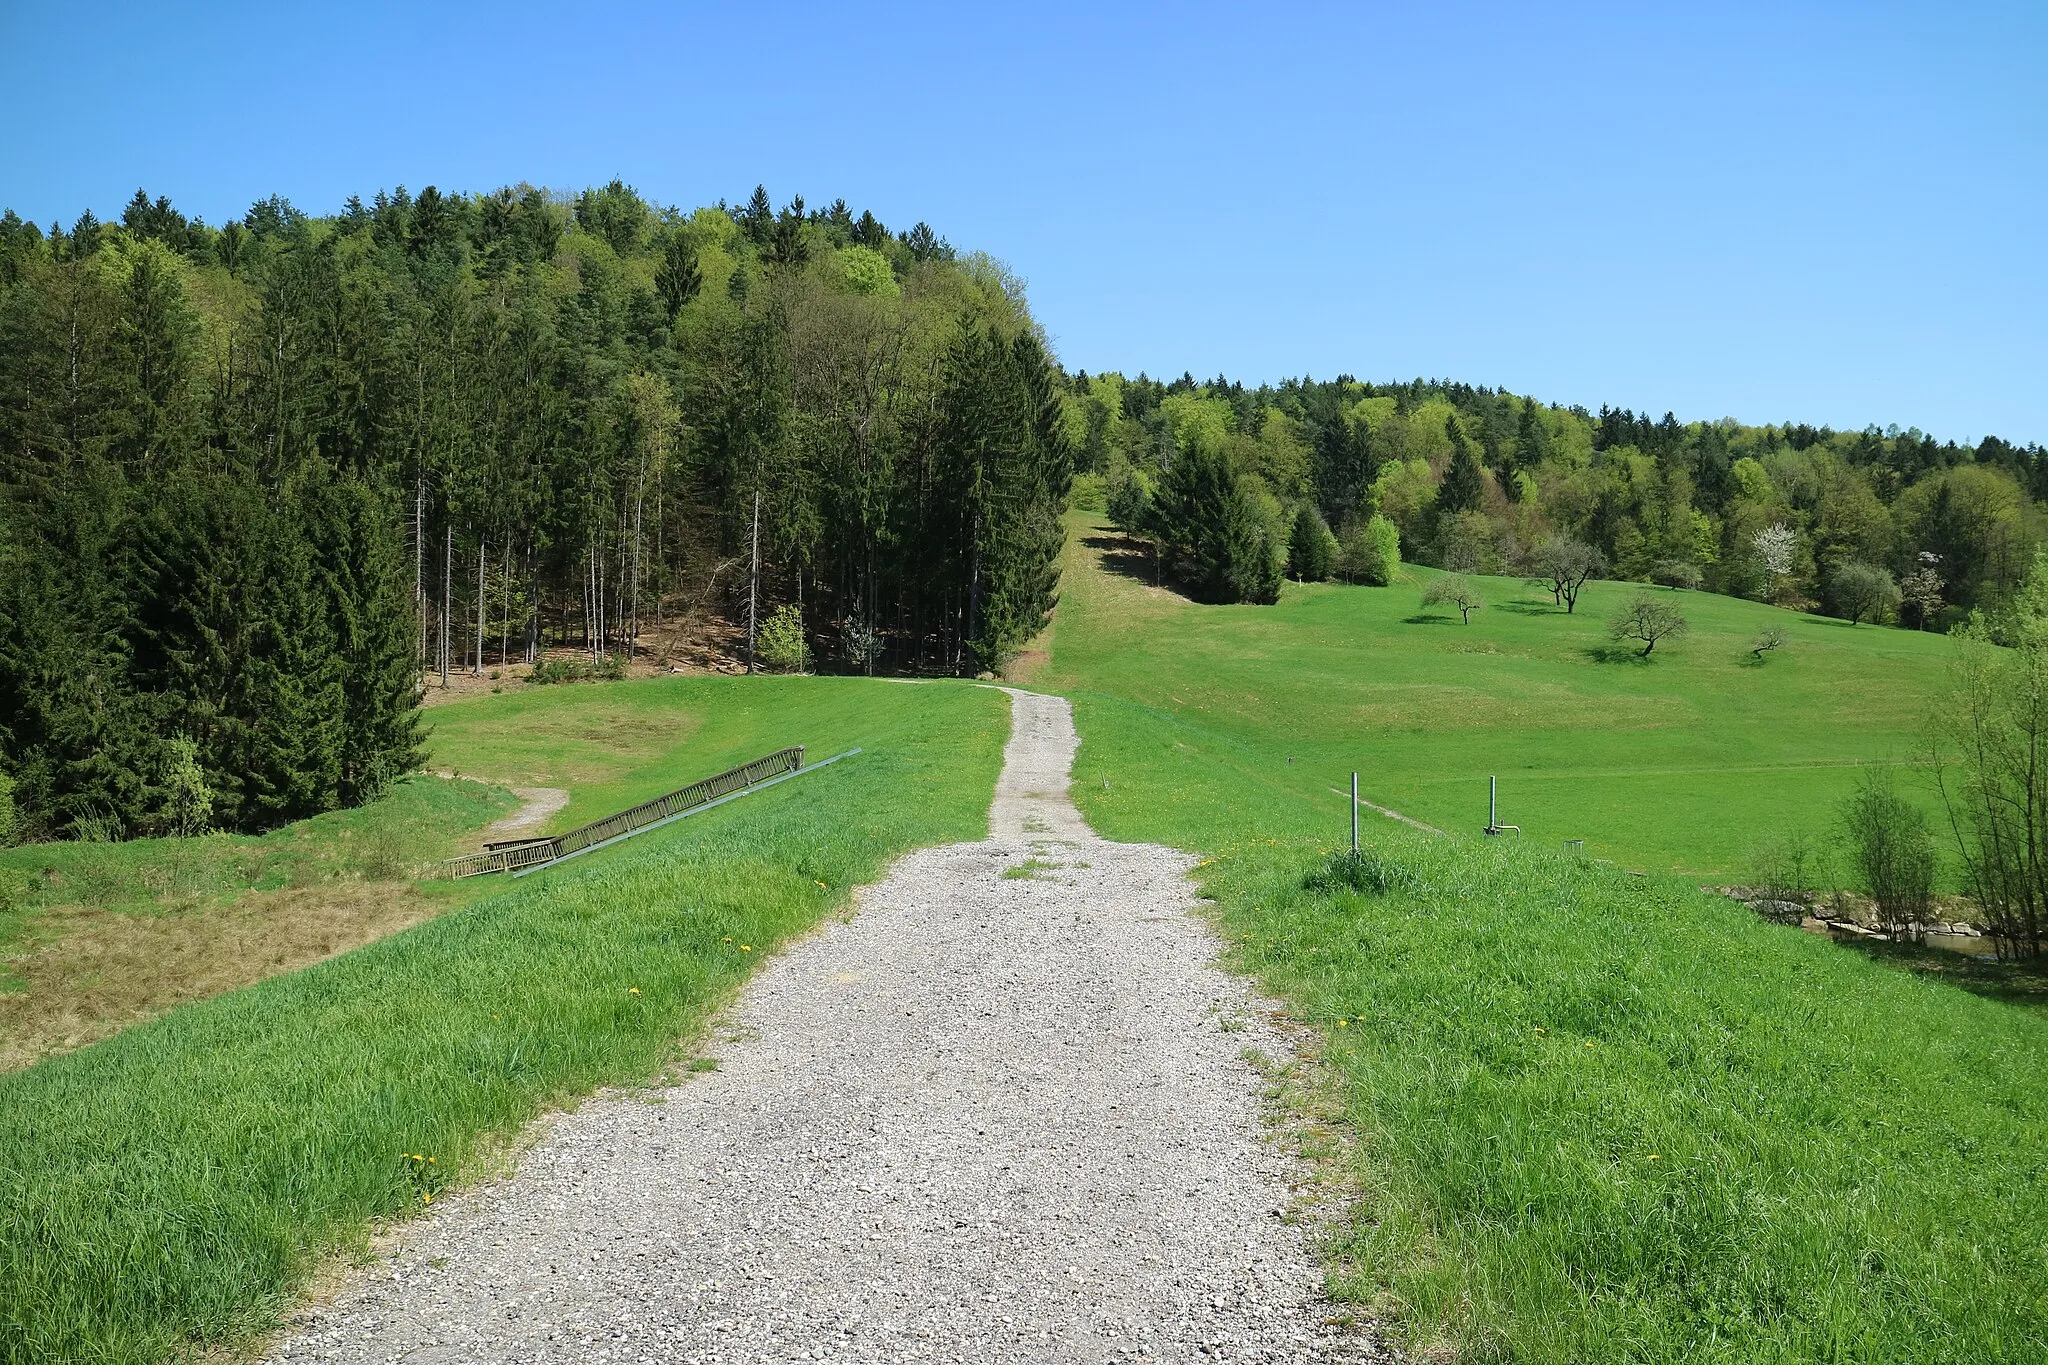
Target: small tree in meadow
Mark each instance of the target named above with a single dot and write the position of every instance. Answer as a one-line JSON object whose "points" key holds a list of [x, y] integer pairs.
{"points": [[1456, 590], [1564, 566], [187, 804], [1647, 618], [780, 643], [1893, 854]]}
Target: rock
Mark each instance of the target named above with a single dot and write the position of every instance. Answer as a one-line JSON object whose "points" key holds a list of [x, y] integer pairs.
{"points": [[1783, 912]]}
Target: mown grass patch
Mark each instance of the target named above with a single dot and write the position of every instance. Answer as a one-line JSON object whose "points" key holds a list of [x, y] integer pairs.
{"points": [[171, 1186]]}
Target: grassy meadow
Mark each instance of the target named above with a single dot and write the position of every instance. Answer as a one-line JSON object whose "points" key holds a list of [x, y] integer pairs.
{"points": [[170, 1187], [1592, 1116], [1679, 762]]}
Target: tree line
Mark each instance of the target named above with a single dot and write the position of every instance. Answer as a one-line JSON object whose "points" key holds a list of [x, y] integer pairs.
{"points": [[1237, 485], [256, 479]]}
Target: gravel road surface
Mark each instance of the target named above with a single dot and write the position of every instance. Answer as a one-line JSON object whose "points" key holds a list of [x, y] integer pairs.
{"points": [[989, 1118]]}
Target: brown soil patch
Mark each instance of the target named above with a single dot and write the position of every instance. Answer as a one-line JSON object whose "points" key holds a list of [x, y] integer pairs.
{"points": [[695, 643], [101, 971]]}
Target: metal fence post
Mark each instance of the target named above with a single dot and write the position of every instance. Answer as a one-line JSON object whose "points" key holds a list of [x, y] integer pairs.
{"points": [[1354, 815]]}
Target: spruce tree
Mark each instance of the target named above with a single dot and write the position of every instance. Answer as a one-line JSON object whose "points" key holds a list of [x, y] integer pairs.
{"points": [[1463, 488], [678, 279]]}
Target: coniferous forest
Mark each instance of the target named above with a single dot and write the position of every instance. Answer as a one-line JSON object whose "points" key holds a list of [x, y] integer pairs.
{"points": [[259, 480]]}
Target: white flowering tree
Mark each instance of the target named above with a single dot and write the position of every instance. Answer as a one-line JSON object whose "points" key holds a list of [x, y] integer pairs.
{"points": [[1776, 545]]}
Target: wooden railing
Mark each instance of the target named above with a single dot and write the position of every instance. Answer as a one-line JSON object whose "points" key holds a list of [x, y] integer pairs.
{"points": [[531, 853]]}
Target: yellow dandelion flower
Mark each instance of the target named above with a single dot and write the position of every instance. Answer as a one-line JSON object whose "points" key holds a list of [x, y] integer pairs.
{"points": [[1341, 1023], [1589, 1045], [426, 1198], [1655, 1157], [1542, 1030], [632, 990], [823, 887], [746, 947]]}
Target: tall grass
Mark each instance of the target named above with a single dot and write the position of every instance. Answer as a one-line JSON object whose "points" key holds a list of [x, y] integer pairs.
{"points": [[1602, 1117], [171, 1186]]}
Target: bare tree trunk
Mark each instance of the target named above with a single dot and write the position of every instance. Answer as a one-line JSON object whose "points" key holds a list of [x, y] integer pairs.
{"points": [[633, 635], [479, 604], [505, 629], [754, 582], [447, 587], [419, 555]]}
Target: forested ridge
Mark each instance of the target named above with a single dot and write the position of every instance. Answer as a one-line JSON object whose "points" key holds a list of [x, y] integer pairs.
{"points": [[1315, 478], [258, 479]]}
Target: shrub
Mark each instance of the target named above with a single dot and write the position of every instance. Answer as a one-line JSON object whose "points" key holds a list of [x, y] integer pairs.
{"points": [[1892, 852], [1781, 869], [9, 827], [780, 642], [1991, 728], [187, 803], [1370, 552], [549, 672]]}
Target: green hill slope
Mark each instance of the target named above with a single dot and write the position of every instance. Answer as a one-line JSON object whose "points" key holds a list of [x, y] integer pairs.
{"points": [[1678, 762], [1581, 1115]]}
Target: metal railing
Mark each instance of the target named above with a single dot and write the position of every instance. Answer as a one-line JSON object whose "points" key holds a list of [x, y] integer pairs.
{"points": [[531, 853]]}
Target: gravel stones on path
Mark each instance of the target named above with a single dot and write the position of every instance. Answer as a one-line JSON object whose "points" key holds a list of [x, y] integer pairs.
{"points": [[1002, 1114]]}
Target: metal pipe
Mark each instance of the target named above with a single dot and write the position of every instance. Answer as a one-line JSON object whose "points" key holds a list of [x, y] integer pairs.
{"points": [[1354, 815]]}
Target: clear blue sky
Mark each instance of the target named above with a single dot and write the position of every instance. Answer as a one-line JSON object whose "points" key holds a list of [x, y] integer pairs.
{"points": [[1824, 212]]}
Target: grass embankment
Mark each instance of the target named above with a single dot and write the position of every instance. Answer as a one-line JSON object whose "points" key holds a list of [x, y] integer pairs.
{"points": [[1596, 1117], [172, 1185], [99, 936], [1679, 762]]}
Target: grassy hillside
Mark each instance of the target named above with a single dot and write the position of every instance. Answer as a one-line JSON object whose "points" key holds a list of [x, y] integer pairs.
{"points": [[1593, 1116], [173, 1184], [95, 937], [1681, 761]]}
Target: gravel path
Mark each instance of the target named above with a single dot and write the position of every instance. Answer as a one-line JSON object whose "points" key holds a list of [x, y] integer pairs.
{"points": [[536, 805], [990, 1118]]}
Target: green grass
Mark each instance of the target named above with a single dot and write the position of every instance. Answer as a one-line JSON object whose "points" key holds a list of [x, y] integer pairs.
{"points": [[1593, 1116], [1680, 762], [173, 1185]]}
